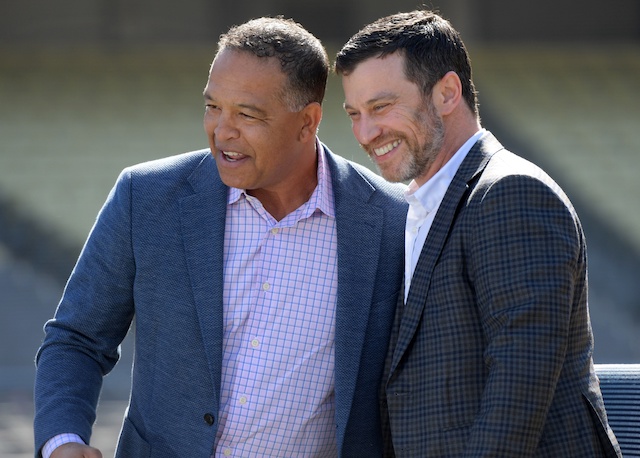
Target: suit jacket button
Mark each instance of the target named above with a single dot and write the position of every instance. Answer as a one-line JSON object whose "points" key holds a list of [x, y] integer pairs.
{"points": [[208, 418]]}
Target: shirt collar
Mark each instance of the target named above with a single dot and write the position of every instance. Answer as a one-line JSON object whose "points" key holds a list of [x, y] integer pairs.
{"points": [[322, 197], [426, 198]]}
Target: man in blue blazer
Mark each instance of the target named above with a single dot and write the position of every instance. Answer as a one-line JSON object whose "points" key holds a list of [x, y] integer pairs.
{"points": [[491, 350], [262, 274]]}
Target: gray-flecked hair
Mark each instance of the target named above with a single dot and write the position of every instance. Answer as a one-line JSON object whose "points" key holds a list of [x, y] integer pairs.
{"points": [[302, 57]]}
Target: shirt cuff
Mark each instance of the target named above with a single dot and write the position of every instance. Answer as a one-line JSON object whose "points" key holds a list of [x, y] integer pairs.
{"points": [[57, 441]]}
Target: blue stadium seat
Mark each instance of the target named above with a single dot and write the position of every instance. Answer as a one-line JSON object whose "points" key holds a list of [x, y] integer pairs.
{"points": [[620, 385]]}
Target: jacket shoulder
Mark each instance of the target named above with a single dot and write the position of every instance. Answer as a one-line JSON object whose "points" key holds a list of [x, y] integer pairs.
{"points": [[359, 179], [179, 163]]}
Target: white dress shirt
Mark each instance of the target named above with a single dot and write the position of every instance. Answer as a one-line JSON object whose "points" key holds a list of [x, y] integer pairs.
{"points": [[423, 206]]}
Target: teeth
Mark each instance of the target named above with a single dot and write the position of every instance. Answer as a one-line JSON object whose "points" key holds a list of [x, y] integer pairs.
{"points": [[232, 155], [386, 148]]}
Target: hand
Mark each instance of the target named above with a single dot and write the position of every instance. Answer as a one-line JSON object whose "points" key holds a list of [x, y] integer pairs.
{"points": [[75, 450]]}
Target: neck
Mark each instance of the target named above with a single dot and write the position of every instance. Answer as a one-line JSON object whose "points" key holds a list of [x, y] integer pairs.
{"points": [[280, 204], [458, 129], [289, 195]]}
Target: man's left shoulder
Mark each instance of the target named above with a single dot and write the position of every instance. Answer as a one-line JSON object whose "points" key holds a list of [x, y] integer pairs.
{"points": [[353, 174]]}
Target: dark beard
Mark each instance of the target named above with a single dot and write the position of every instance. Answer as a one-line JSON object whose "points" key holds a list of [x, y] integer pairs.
{"points": [[421, 156]]}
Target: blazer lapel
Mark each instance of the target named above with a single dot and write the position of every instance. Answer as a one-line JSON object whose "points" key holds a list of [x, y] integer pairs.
{"points": [[472, 165], [203, 224], [359, 229]]}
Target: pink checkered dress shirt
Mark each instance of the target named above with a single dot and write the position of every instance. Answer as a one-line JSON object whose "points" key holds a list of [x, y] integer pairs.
{"points": [[280, 286]]}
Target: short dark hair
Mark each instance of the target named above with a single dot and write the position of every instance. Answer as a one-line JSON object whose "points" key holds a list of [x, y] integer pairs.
{"points": [[430, 44], [302, 57]]}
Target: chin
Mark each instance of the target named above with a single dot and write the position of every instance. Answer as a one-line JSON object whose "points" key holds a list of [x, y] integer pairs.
{"points": [[231, 181], [390, 174]]}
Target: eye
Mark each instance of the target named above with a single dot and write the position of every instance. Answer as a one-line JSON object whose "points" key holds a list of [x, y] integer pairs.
{"points": [[380, 106], [247, 116]]}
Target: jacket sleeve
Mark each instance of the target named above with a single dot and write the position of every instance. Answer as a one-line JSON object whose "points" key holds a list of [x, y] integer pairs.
{"points": [[528, 265], [81, 342]]}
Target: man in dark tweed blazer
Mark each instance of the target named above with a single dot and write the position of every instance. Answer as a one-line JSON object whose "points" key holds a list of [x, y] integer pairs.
{"points": [[491, 350]]}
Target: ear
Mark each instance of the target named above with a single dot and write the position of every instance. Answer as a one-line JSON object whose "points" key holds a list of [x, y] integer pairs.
{"points": [[311, 117], [447, 93]]}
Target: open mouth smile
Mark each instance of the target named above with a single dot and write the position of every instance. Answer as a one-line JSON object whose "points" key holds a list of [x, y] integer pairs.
{"points": [[386, 148], [232, 156]]}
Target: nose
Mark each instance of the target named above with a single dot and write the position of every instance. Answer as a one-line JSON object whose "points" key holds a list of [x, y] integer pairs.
{"points": [[224, 128], [365, 129]]}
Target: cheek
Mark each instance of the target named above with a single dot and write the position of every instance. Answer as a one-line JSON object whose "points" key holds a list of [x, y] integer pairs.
{"points": [[412, 127], [208, 124], [355, 129]]}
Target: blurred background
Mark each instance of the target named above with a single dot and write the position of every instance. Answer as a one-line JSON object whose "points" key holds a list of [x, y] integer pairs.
{"points": [[88, 87]]}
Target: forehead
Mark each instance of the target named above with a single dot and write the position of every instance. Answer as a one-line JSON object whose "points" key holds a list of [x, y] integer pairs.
{"points": [[377, 76], [242, 74]]}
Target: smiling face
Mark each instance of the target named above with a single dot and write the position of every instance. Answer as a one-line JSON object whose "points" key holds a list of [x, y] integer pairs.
{"points": [[258, 143], [400, 130]]}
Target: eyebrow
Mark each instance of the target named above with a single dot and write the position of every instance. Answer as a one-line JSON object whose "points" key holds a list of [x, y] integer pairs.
{"points": [[245, 106], [386, 95]]}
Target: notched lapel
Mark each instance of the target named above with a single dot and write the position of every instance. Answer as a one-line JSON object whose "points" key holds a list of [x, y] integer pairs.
{"points": [[203, 223], [359, 230], [473, 164], [359, 235]]}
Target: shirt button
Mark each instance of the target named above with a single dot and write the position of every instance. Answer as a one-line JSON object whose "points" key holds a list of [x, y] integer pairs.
{"points": [[243, 400], [266, 286], [209, 419], [275, 230], [255, 343], [414, 230], [227, 452]]}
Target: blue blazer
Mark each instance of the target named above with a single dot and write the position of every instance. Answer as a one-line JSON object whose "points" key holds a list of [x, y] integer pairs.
{"points": [[155, 254]]}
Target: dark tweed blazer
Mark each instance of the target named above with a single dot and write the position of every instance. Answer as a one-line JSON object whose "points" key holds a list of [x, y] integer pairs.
{"points": [[491, 355]]}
